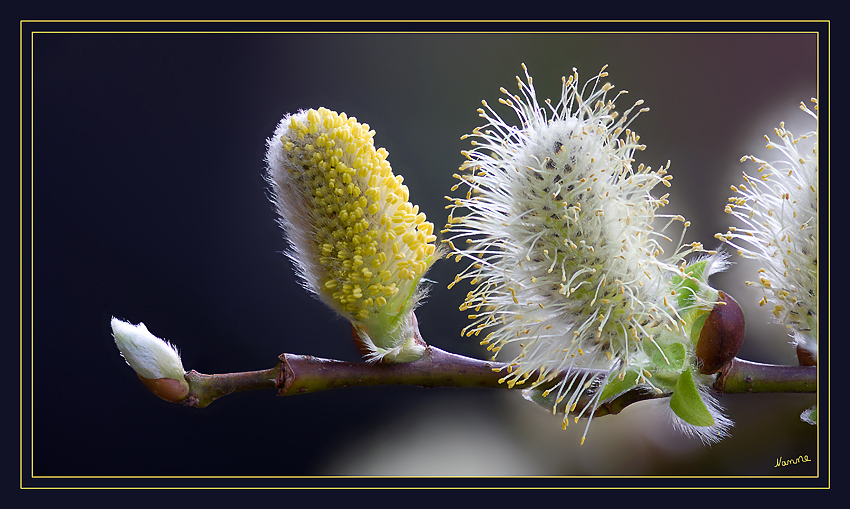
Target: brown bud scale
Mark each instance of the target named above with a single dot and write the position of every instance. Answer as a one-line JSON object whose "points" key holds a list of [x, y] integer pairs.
{"points": [[168, 389], [722, 335], [806, 357]]}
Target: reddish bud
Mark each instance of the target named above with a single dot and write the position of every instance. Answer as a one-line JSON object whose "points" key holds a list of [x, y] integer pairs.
{"points": [[722, 335], [169, 389], [806, 357]]}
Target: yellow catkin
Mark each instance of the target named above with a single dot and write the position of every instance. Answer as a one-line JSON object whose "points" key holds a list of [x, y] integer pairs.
{"points": [[367, 237]]}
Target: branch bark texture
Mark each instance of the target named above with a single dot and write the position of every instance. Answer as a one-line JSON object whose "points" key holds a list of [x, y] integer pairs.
{"points": [[300, 374], [304, 374], [742, 376]]}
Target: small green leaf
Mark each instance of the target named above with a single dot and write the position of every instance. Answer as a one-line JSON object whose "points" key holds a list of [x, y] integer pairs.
{"points": [[617, 386], [668, 357], [688, 404], [696, 328], [687, 288], [810, 415], [548, 401]]}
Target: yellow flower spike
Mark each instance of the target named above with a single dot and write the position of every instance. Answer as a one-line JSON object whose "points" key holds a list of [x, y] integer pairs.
{"points": [[356, 242]]}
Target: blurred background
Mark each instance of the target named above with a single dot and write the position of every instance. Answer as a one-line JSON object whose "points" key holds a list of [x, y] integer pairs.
{"points": [[148, 204]]}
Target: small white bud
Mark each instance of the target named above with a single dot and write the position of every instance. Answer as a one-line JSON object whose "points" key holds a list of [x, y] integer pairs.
{"points": [[152, 358]]}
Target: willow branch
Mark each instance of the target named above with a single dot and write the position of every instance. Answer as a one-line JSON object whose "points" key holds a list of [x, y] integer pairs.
{"points": [[303, 374], [742, 376], [204, 389]]}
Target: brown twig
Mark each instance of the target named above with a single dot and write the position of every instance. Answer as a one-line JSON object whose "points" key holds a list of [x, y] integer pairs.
{"points": [[303, 374], [204, 389], [742, 376]]}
